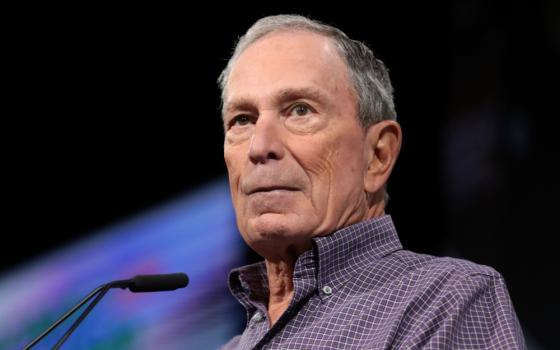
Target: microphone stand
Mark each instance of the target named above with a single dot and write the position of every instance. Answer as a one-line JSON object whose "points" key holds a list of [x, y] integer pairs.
{"points": [[99, 291], [139, 283], [81, 318]]}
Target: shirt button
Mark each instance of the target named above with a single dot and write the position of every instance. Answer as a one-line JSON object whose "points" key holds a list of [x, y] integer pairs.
{"points": [[327, 290], [257, 317]]}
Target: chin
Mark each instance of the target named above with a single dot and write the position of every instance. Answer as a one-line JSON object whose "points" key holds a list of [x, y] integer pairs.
{"points": [[276, 227]]}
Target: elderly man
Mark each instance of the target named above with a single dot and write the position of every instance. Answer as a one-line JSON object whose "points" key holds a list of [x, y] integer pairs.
{"points": [[310, 141]]}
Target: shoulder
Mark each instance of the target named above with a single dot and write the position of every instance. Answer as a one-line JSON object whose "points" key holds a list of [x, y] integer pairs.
{"points": [[412, 274], [464, 303], [423, 266], [428, 283], [449, 276], [425, 299], [425, 263]]}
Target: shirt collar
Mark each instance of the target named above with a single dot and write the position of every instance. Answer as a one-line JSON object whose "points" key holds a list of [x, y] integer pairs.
{"points": [[330, 263], [353, 248]]}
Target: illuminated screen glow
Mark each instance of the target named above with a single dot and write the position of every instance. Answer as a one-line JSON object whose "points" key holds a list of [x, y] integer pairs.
{"points": [[195, 234]]}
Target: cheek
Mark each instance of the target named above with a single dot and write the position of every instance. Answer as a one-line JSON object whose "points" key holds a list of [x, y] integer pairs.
{"points": [[335, 165], [233, 160], [331, 159], [314, 154]]}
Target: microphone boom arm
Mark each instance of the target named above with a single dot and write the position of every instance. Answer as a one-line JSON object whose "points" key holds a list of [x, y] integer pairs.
{"points": [[140, 283], [64, 317]]}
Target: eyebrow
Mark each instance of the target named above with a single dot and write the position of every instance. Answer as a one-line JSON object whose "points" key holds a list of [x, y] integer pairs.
{"points": [[282, 96], [291, 94]]}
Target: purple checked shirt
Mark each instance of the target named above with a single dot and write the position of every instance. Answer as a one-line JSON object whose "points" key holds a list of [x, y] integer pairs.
{"points": [[358, 289]]}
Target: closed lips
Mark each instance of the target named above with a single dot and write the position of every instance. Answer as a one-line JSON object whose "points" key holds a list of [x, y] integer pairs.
{"points": [[271, 188]]}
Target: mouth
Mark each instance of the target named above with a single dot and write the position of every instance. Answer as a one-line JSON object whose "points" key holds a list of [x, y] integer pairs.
{"points": [[265, 189]]}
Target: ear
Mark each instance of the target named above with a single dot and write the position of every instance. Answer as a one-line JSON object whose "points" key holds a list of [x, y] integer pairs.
{"points": [[383, 144]]}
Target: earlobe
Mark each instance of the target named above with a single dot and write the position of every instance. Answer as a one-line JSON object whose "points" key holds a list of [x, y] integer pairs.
{"points": [[383, 143]]}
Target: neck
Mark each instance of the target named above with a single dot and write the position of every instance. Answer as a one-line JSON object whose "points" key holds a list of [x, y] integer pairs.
{"points": [[280, 270], [280, 281], [376, 205]]}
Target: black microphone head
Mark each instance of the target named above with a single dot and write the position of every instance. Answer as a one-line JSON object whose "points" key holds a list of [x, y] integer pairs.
{"points": [[158, 283]]}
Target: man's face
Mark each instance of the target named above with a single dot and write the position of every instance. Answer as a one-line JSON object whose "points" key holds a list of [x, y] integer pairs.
{"points": [[294, 148]]}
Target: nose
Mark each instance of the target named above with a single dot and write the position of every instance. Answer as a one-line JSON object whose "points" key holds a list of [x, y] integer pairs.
{"points": [[266, 141]]}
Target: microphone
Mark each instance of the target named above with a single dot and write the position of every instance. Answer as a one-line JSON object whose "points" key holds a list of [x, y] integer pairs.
{"points": [[137, 284], [158, 283]]}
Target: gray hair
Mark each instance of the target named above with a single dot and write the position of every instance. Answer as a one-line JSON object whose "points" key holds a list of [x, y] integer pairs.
{"points": [[369, 76]]}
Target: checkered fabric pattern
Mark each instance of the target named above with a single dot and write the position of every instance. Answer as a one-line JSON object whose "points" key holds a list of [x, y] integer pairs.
{"points": [[358, 289]]}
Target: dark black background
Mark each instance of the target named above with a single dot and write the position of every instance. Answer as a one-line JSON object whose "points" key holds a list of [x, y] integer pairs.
{"points": [[110, 111]]}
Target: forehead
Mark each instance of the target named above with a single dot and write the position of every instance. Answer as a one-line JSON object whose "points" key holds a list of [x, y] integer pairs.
{"points": [[286, 60]]}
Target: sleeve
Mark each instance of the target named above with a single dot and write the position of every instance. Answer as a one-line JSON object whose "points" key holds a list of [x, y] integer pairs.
{"points": [[474, 313]]}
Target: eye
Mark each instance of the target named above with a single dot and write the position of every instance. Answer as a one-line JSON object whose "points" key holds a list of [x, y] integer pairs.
{"points": [[300, 110], [240, 120]]}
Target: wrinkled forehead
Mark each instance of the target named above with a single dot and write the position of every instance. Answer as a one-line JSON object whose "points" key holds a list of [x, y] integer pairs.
{"points": [[285, 60]]}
